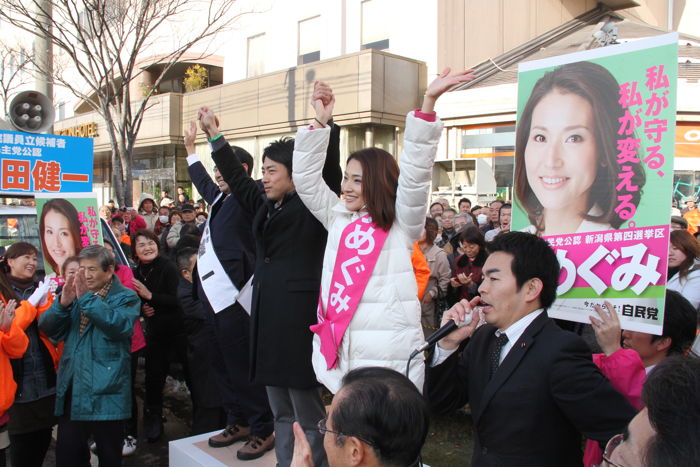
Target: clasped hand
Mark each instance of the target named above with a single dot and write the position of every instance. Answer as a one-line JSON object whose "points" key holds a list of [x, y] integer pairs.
{"points": [[75, 287]]}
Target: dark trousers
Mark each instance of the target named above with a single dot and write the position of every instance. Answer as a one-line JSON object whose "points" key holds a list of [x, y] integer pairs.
{"points": [[158, 352], [207, 409], [29, 449], [72, 441], [131, 426], [245, 403]]}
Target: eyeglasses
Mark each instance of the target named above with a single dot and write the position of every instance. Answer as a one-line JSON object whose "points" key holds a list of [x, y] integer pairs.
{"points": [[614, 442], [323, 430]]}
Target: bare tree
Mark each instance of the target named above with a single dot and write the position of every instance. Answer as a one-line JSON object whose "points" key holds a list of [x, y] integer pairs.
{"points": [[102, 42], [14, 72]]}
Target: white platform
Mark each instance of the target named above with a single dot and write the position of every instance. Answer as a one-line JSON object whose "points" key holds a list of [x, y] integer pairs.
{"points": [[195, 451]]}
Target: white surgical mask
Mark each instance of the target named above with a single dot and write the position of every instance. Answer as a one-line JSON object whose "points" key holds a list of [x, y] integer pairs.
{"points": [[163, 219]]}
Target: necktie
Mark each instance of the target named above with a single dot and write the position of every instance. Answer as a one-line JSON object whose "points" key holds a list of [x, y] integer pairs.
{"points": [[495, 357]]}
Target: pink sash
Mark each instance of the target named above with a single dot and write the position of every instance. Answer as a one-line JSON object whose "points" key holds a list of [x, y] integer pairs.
{"points": [[360, 245]]}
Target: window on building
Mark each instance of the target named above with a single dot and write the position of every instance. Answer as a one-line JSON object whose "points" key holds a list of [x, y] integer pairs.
{"points": [[256, 55], [493, 145], [309, 40], [375, 21]]}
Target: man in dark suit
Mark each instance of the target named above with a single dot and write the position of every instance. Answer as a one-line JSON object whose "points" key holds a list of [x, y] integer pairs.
{"points": [[532, 387], [207, 409], [290, 243], [228, 235]]}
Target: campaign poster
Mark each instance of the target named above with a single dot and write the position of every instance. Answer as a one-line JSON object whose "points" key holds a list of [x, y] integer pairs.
{"points": [[593, 174], [66, 225], [39, 163]]}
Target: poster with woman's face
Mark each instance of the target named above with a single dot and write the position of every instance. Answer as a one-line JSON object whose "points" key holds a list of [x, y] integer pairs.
{"points": [[66, 226], [593, 174]]}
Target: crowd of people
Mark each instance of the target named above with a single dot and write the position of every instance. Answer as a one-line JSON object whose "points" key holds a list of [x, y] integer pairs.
{"points": [[317, 276]]}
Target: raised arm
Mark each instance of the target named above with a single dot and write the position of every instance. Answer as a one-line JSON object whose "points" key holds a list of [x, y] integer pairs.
{"points": [[421, 139], [198, 174], [244, 188], [317, 158]]}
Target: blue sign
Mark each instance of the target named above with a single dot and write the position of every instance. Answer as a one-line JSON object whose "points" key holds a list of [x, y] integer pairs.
{"points": [[34, 163]]}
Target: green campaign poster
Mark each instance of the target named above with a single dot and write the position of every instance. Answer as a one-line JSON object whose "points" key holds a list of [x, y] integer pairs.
{"points": [[594, 171], [66, 225]]}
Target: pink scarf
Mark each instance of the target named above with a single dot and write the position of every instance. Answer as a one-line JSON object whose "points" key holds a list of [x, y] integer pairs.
{"points": [[360, 245]]}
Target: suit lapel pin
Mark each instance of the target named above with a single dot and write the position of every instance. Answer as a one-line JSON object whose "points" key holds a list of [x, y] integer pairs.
{"points": [[522, 345]]}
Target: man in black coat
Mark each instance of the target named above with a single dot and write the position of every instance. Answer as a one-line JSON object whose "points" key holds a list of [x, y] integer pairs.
{"points": [[228, 235], [533, 387], [290, 244], [207, 410]]}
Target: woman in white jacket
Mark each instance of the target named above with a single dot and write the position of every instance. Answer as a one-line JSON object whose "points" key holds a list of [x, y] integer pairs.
{"points": [[684, 266], [369, 313]]}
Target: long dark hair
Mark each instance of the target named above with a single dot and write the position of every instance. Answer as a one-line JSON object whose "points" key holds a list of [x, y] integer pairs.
{"points": [[380, 178], [684, 241], [68, 211], [14, 251], [600, 89]]}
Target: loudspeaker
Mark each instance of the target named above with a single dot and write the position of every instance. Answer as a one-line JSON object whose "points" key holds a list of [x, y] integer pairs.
{"points": [[31, 111]]}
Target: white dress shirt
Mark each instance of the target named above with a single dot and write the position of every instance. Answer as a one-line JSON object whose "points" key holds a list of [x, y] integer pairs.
{"points": [[514, 331]]}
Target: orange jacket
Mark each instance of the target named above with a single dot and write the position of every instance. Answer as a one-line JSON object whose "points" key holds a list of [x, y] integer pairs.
{"points": [[13, 344], [25, 314], [420, 269]]}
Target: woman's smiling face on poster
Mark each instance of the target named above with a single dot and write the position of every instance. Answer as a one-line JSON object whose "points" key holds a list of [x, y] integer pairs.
{"points": [[560, 156], [58, 237]]}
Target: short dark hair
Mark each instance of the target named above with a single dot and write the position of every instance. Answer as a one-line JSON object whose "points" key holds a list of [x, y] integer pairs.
{"points": [[680, 323], [245, 158], [146, 234], [464, 200], [670, 395], [504, 206], [679, 220], [282, 152], [475, 207], [380, 179], [383, 407], [117, 219], [174, 212], [431, 230], [15, 250], [184, 258], [532, 258], [70, 259], [439, 204], [472, 234], [453, 210], [100, 253]]}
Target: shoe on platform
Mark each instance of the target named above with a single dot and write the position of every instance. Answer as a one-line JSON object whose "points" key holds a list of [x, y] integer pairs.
{"points": [[129, 446], [256, 447], [230, 435]]}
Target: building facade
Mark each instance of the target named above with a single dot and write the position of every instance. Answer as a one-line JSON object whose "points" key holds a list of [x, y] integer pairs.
{"points": [[379, 55]]}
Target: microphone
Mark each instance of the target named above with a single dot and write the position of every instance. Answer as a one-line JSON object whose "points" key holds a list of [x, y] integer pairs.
{"points": [[446, 329]]}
